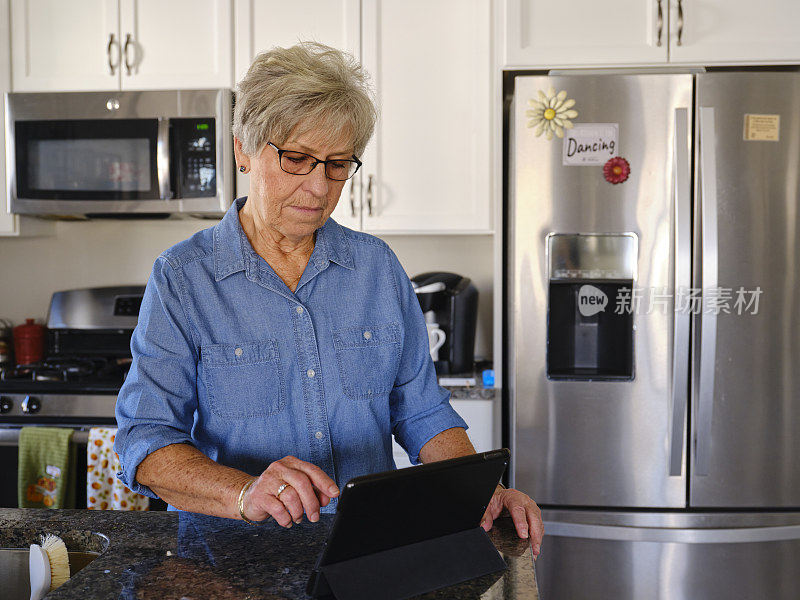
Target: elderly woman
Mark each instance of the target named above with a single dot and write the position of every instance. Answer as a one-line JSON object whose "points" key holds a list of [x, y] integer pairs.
{"points": [[277, 352]]}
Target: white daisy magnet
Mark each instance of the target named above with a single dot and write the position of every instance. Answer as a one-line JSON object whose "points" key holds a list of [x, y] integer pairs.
{"points": [[551, 113]]}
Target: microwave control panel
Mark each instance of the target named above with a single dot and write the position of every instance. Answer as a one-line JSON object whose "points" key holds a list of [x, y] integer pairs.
{"points": [[193, 144]]}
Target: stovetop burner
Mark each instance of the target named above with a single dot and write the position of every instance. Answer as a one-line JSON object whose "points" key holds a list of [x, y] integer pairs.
{"points": [[75, 371]]}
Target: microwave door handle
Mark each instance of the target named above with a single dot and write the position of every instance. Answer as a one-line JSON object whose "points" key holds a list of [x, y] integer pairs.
{"points": [[680, 341], [162, 159], [709, 266]]}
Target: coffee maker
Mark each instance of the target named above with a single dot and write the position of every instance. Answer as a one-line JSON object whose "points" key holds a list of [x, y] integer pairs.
{"points": [[451, 301]]}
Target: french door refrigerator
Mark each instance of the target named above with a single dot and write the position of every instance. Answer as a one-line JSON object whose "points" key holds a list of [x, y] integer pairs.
{"points": [[653, 331]]}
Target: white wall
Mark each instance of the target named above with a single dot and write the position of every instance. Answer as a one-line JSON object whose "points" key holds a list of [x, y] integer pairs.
{"points": [[110, 252]]}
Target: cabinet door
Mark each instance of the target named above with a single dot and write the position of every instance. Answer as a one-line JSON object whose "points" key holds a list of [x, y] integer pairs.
{"points": [[428, 167], [65, 45], [262, 24], [722, 31], [177, 44], [543, 33]]}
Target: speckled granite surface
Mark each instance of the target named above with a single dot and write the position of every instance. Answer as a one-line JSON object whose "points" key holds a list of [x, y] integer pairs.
{"points": [[164, 556]]}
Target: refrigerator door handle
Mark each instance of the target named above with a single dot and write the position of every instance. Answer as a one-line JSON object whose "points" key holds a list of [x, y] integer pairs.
{"points": [[709, 265], [682, 282]]}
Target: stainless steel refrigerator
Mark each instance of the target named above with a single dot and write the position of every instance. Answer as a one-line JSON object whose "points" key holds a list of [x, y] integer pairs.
{"points": [[653, 330]]}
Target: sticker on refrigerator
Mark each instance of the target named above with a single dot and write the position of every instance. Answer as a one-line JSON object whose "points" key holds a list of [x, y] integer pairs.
{"points": [[762, 128], [590, 144]]}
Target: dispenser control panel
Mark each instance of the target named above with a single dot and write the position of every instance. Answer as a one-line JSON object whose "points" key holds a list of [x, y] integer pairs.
{"points": [[589, 337]]}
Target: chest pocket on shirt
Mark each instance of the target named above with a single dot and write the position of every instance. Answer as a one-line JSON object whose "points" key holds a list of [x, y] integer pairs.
{"points": [[244, 380], [368, 358]]}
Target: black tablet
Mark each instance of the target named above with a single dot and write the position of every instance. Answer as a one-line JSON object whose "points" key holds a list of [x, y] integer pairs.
{"points": [[392, 509]]}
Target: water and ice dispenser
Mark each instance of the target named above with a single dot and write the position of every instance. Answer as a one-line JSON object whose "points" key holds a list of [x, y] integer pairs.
{"points": [[589, 308]]}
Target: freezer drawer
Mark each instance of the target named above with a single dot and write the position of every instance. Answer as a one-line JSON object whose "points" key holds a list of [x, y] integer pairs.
{"points": [[679, 557]]}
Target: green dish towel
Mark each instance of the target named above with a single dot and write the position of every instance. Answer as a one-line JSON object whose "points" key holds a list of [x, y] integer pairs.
{"points": [[46, 477]]}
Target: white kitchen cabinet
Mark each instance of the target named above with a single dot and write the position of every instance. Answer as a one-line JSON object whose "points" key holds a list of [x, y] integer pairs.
{"points": [[85, 45], [543, 33], [262, 24], [539, 33], [65, 45], [12, 225], [428, 168], [480, 418], [179, 44], [734, 31]]}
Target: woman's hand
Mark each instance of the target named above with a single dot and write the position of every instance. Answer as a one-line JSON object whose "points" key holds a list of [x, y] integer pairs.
{"points": [[526, 515], [307, 489]]}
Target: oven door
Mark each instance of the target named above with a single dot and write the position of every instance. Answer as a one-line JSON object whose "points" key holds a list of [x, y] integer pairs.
{"points": [[9, 459]]}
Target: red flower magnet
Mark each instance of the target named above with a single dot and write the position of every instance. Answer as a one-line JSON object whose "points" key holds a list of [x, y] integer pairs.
{"points": [[616, 170]]}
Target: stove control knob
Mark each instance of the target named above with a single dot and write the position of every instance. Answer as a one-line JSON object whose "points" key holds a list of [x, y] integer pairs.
{"points": [[30, 405], [6, 405]]}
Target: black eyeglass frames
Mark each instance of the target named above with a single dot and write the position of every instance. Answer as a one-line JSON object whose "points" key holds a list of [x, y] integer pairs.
{"points": [[300, 163]]}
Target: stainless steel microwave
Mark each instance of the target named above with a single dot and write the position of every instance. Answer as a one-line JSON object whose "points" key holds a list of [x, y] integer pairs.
{"points": [[102, 153]]}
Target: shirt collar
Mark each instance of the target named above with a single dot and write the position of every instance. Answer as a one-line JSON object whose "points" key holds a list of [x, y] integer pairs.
{"points": [[331, 244]]}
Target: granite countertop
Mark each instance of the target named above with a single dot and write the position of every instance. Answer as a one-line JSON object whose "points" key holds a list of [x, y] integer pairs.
{"points": [[165, 556]]}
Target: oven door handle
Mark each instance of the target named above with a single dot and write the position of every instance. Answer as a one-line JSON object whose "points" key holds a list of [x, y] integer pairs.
{"points": [[9, 436], [162, 159]]}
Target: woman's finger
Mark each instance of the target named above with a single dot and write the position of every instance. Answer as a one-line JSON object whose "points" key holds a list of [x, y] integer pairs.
{"points": [[260, 504], [292, 502], [536, 529], [520, 517], [302, 485], [319, 479], [323, 498]]}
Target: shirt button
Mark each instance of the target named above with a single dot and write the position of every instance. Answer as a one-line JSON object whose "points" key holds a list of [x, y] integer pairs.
{"points": [[238, 352], [310, 373], [318, 435], [367, 335], [299, 310]]}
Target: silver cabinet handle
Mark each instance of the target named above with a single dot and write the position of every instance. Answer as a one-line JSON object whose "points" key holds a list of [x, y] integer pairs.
{"points": [[369, 195], [683, 264], [709, 266], [660, 23], [111, 43], [128, 42], [352, 198], [680, 22], [162, 159]]}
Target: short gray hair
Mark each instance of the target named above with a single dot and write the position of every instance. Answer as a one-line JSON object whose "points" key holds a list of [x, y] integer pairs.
{"points": [[309, 85]]}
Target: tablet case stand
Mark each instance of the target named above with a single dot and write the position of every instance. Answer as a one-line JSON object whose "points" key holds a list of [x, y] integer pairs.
{"points": [[410, 570]]}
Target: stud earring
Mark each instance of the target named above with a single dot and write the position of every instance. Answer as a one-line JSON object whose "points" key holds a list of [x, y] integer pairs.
{"points": [[242, 169]]}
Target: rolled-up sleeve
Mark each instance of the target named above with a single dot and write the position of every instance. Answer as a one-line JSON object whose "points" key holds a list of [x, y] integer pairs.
{"points": [[420, 407], [157, 402]]}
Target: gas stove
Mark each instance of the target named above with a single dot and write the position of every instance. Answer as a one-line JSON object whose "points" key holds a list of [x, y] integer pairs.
{"points": [[89, 333]]}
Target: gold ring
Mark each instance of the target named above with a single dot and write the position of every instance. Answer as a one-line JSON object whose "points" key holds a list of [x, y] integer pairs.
{"points": [[280, 489]]}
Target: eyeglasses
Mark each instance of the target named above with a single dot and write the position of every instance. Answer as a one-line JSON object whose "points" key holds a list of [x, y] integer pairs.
{"points": [[299, 163]]}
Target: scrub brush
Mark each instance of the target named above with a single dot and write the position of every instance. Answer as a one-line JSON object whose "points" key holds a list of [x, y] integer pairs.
{"points": [[49, 566]]}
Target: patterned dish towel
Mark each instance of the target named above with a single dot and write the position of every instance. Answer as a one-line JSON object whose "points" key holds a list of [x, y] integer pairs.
{"points": [[103, 490], [46, 470]]}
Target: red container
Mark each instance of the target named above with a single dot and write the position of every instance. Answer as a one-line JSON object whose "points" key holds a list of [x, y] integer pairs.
{"points": [[28, 342]]}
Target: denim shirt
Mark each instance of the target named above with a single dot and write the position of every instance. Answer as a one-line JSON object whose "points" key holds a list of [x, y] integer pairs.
{"points": [[227, 358]]}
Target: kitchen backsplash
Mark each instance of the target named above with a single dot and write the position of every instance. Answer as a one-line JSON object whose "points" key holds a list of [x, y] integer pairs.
{"points": [[98, 253]]}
